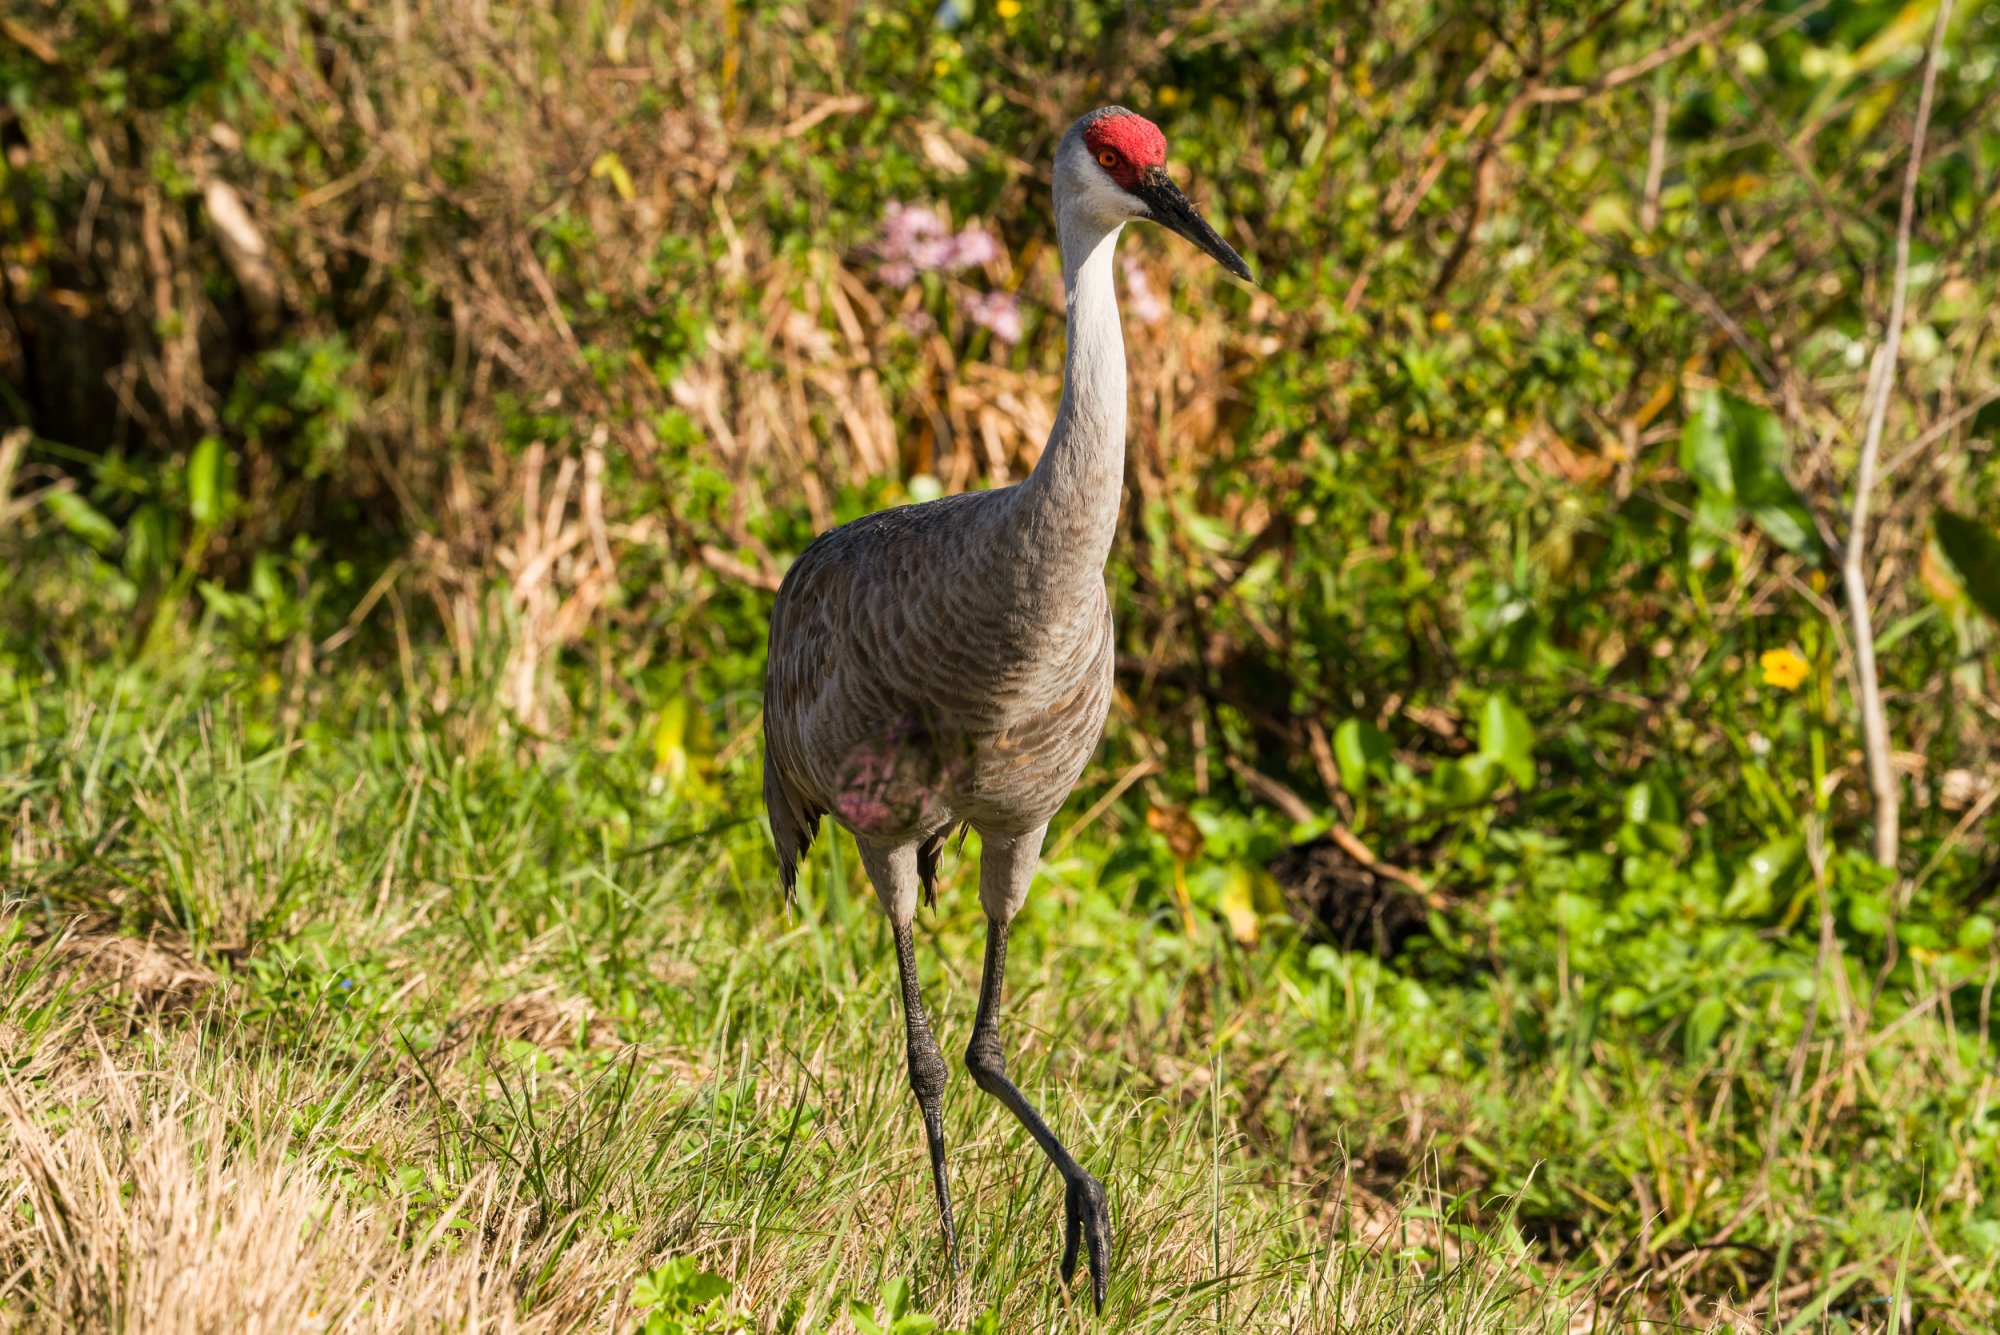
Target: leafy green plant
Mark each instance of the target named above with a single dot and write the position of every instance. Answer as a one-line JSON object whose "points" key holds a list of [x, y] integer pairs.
{"points": [[1736, 454], [892, 1314], [680, 1298]]}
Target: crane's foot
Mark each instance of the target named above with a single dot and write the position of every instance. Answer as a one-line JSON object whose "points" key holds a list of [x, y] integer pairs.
{"points": [[934, 1134], [1087, 1213]]}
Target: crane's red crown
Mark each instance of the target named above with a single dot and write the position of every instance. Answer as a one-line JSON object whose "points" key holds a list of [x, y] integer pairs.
{"points": [[1125, 144]]}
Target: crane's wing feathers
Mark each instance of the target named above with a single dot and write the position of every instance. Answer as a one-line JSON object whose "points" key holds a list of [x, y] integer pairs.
{"points": [[801, 663], [907, 677], [852, 600]]}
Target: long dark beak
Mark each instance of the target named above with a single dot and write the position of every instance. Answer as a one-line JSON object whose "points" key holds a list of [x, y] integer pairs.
{"points": [[1171, 209]]}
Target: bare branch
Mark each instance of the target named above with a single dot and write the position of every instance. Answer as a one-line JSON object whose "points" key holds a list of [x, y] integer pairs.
{"points": [[1645, 64], [1656, 162], [1854, 574]]}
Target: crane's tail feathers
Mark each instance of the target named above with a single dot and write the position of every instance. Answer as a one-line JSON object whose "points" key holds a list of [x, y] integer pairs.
{"points": [[928, 855], [794, 822], [927, 864]]}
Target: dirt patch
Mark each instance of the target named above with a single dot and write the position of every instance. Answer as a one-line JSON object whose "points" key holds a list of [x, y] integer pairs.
{"points": [[153, 975], [545, 1017], [156, 973], [1338, 899]]}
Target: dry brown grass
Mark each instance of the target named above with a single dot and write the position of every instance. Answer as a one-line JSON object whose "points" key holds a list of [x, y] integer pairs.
{"points": [[161, 1193], [461, 317]]}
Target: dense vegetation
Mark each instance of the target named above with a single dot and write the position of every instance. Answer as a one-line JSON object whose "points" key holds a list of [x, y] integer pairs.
{"points": [[1488, 907]]}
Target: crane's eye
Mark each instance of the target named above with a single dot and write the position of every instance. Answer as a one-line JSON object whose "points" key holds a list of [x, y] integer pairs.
{"points": [[1108, 158]]}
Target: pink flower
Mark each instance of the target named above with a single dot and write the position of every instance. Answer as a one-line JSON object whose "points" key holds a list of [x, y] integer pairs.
{"points": [[933, 253], [915, 239], [975, 246], [1140, 299], [998, 312], [905, 226]]}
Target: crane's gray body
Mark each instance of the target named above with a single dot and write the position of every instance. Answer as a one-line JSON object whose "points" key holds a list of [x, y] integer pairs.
{"points": [[929, 668]]}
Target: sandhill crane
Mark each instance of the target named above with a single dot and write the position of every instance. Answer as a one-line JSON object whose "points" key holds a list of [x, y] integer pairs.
{"points": [[949, 664]]}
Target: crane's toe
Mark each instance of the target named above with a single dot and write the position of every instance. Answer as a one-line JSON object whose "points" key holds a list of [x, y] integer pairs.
{"points": [[1087, 1215]]}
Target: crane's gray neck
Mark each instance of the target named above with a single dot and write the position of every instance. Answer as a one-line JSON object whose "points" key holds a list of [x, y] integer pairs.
{"points": [[1069, 504]]}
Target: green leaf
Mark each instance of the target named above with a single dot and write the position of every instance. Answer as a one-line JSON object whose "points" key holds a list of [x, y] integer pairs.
{"points": [[705, 1288], [208, 482], [1705, 446], [1650, 800], [1974, 552], [678, 1286], [1652, 819], [1507, 739], [1736, 453], [1463, 783], [1358, 749], [1901, 627], [81, 518], [265, 585], [1755, 890], [653, 1289], [1703, 1024], [148, 541], [1975, 933], [1868, 914], [895, 1298], [1655, 836], [1714, 524], [1790, 526], [1759, 453]]}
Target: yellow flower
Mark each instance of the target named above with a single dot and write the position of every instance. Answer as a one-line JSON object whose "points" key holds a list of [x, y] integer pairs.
{"points": [[1784, 668], [1008, 9], [1441, 320], [1166, 97], [941, 68]]}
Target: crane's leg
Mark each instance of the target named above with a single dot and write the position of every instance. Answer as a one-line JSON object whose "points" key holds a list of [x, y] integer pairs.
{"points": [[894, 874], [1006, 866]]}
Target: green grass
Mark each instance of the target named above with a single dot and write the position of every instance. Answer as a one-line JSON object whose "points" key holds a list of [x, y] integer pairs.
{"points": [[433, 972], [523, 1023]]}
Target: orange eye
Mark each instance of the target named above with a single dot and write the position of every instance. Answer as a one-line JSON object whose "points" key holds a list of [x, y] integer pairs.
{"points": [[1108, 158]]}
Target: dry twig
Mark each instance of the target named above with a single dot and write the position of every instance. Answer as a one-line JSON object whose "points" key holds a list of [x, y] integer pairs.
{"points": [[1854, 572]]}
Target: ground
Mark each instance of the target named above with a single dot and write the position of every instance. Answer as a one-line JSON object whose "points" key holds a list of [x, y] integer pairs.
{"points": [[399, 1027]]}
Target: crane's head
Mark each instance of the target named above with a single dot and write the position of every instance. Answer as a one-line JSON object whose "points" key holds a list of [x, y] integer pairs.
{"points": [[1113, 166]]}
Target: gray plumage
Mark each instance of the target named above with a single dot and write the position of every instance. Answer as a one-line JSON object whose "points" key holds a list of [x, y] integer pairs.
{"points": [[929, 667], [950, 663]]}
